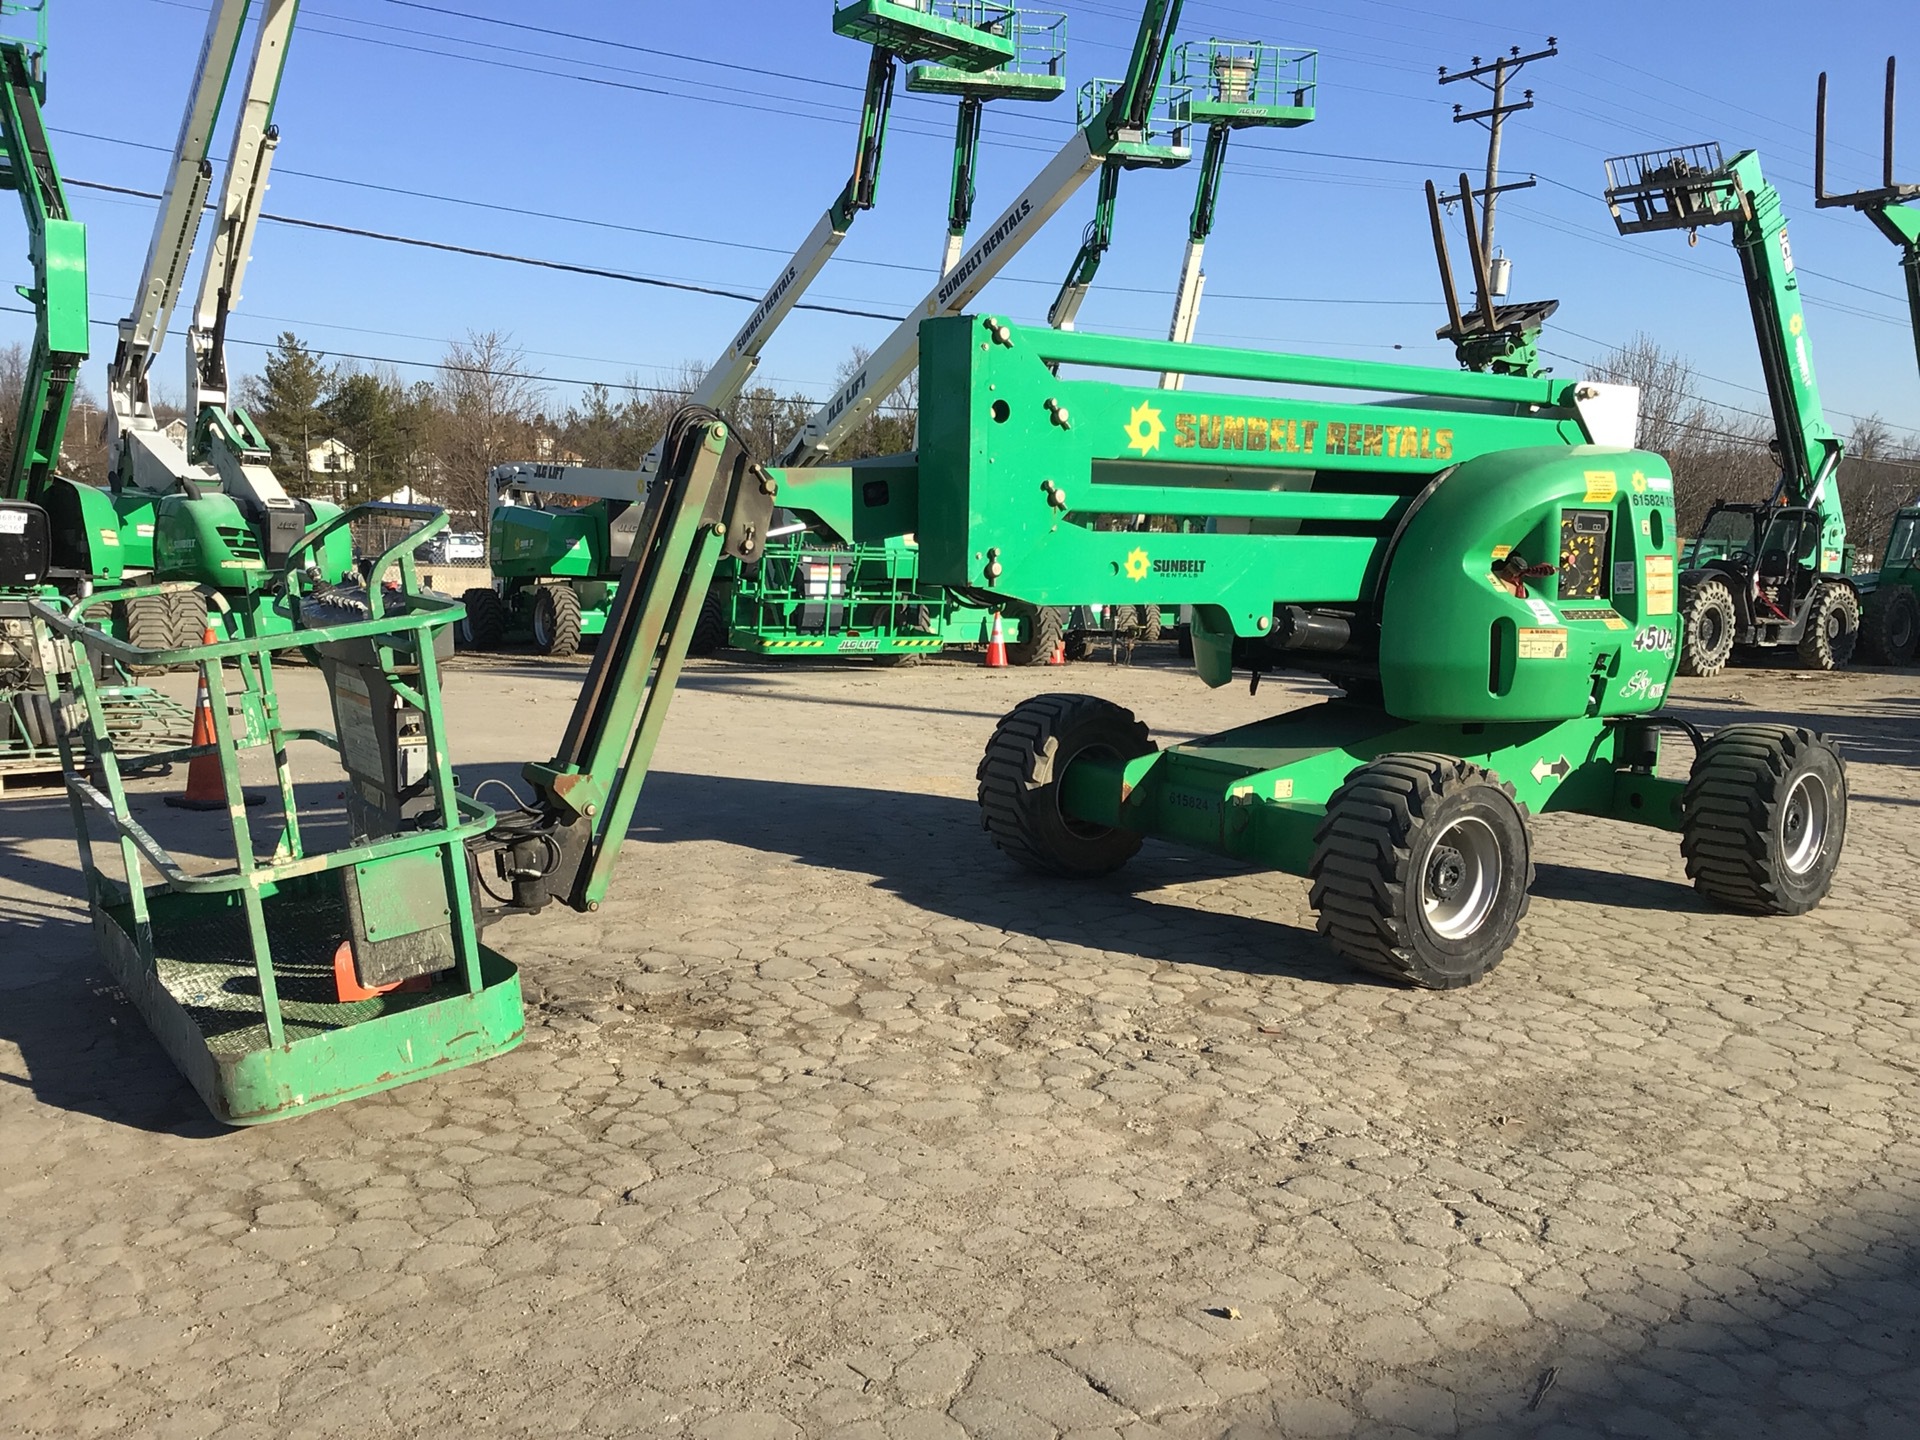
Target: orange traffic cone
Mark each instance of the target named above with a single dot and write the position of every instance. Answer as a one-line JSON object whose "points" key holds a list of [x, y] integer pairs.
{"points": [[205, 789], [996, 645], [1059, 655]]}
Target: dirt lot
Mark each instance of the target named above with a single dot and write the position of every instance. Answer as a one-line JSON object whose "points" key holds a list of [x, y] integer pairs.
{"points": [[832, 1123]]}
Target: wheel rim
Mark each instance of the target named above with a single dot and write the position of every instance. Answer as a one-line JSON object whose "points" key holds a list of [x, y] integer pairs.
{"points": [[1711, 629], [542, 630], [1803, 826], [1460, 878]]}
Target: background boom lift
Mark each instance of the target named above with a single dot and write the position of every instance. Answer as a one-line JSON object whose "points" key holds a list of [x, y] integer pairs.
{"points": [[1757, 575], [1890, 619]]}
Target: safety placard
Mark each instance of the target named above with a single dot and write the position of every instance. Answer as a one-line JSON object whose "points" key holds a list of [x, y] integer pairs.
{"points": [[1542, 644], [1602, 486], [1659, 585]]}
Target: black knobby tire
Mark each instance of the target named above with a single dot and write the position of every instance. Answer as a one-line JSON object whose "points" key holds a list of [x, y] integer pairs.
{"points": [[1183, 641], [1708, 623], [1421, 870], [148, 623], [486, 623], [189, 614], [905, 659], [1890, 627], [1040, 634], [710, 629], [1833, 628], [1021, 773], [36, 715], [1764, 818], [556, 621], [1149, 629]]}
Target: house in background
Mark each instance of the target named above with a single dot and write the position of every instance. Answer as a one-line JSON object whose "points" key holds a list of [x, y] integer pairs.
{"points": [[330, 458], [176, 431]]}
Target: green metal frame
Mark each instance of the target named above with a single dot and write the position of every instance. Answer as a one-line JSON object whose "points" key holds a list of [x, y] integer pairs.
{"points": [[57, 246], [231, 968]]}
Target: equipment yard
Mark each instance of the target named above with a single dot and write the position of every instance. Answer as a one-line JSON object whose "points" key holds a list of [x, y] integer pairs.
{"points": [[833, 1121]]}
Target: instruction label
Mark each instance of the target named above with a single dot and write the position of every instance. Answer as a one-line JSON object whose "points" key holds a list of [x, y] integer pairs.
{"points": [[1626, 577], [1602, 486], [1659, 585], [1543, 644], [13, 522]]}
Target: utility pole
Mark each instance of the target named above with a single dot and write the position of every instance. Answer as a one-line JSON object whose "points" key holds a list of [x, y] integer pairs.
{"points": [[1500, 70]]}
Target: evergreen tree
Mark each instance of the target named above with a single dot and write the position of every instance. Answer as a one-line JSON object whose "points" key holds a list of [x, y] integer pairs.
{"points": [[287, 402]]}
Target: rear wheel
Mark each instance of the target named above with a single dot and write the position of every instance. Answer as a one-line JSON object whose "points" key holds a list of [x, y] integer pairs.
{"points": [[1890, 628], [710, 631], [150, 623], [1040, 634], [1707, 624], [1020, 778], [1764, 818], [1421, 870], [1833, 627], [556, 621], [1149, 628], [486, 623]]}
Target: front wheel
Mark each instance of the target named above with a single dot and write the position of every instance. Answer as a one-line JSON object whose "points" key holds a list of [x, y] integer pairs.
{"points": [[1833, 626], [1021, 775], [1764, 818], [486, 623], [1421, 870], [1707, 626]]}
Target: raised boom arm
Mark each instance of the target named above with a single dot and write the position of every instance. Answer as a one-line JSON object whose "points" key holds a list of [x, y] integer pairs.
{"points": [[1894, 208], [138, 453], [1687, 188], [57, 245]]}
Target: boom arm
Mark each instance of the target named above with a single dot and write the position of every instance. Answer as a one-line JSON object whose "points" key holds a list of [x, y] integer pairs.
{"points": [[249, 158], [1685, 189], [57, 245], [130, 410], [1094, 245], [1124, 117]]}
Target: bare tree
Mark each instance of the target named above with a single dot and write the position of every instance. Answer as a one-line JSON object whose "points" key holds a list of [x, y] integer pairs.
{"points": [[1665, 381], [489, 413]]}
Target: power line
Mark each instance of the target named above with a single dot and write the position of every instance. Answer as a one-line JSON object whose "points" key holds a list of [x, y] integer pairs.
{"points": [[563, 265]]}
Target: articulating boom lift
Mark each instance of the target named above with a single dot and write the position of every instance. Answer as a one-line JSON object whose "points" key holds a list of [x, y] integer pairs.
{"points": [[1758, 575], [1483, 563], [1890, 620]]}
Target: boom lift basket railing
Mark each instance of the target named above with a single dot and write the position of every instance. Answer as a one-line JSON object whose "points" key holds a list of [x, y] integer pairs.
{"points": [[964, 34], [1167, 139], [1037, 71], [1245, 83], [317, 974]]}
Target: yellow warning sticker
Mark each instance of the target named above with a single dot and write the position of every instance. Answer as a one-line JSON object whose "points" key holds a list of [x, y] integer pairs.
{"points": [[1500, 552], [1659, 585], [1602, 486], [1543, 644]]}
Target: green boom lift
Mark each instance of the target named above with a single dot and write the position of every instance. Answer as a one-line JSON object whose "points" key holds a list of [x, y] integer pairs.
{"points": [[38, 552], [1779, 573], [1890, 622], [1483, 563]]}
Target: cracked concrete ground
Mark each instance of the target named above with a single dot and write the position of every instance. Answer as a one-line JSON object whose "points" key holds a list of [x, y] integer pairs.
{"points": [[831, 1123]]}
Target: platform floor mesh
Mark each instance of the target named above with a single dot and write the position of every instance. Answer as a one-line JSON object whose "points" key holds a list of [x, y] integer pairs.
{"points": [[206, 963]]}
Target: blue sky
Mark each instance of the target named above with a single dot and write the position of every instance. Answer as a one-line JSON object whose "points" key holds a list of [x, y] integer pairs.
{"points": [[725, 129]]}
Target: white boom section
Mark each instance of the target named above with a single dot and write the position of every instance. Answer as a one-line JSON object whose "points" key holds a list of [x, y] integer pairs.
{"points": [[1186, 307], [890, 365], [249, 158], [524, 483], [137, 450], [1067, 310], [950, 257], [728, 376]]}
